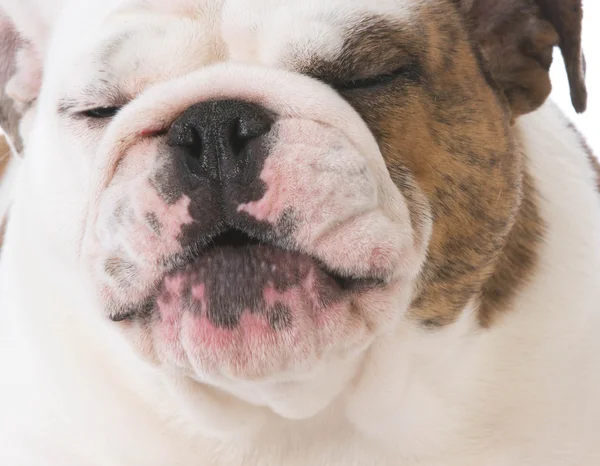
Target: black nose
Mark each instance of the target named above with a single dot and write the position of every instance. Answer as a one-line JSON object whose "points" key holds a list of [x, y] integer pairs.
{"points": [[217, 136]]}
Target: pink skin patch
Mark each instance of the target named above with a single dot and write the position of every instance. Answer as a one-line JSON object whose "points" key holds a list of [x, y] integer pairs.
{"points": [[315, 172], [270, 207], [198, 292]]}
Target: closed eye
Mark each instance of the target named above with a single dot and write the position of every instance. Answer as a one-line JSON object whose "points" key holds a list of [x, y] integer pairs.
{"points": [[407, 71], [100, 112]]}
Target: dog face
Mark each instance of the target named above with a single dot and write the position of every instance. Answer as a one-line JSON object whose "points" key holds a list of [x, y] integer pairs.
{"points": [[256, 191]]}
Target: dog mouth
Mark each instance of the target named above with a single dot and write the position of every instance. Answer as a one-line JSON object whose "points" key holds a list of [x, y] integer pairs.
{"points": [[235, 272], [234, 239]]}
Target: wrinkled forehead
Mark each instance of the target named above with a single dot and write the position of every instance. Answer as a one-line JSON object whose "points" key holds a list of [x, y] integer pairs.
{"points": [[258, 14], [267, 31]]}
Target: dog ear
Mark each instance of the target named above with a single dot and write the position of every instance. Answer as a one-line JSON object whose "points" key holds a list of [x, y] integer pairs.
{"points": [[517, 38], [24, 29]]}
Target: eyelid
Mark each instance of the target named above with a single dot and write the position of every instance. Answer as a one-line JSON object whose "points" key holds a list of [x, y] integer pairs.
{"points": [[408, 71], [101, 112], [92, 97]]}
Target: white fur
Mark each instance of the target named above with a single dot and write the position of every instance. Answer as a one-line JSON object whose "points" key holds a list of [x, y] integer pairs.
{"points": [[73, 392]]}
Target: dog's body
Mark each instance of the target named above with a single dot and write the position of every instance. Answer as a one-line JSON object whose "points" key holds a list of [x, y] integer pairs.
{"points": [[460, 325]]}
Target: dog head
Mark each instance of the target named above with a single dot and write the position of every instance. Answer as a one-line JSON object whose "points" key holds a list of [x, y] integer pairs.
{"points": [[258, 190]]}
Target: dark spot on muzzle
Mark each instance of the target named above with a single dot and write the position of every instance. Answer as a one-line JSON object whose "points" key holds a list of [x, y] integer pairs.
{"points": [[122, 271], [154, 223]]}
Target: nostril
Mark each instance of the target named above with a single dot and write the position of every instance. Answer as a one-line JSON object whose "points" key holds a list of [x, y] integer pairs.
{"points": [[253, 127], [236, 138], [243, 130], [185, 136]]}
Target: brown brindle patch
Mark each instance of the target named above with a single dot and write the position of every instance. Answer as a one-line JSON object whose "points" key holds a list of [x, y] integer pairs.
{"points": [[517, 260], [374, 46], [121, 270], [447, 137]]}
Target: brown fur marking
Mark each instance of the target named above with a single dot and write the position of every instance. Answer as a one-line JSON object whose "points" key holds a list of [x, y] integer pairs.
{"points": [[517, 261], [446, 135]]}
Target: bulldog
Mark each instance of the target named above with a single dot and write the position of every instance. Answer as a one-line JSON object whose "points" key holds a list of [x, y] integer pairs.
{"points": [[276, 232]]}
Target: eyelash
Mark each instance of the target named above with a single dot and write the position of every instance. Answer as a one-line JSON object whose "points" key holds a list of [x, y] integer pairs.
{"points": [[409, 72], [100, 113]]}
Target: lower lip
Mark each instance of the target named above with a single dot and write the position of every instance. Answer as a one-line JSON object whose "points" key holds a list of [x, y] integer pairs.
{"points": [[226, 282]]}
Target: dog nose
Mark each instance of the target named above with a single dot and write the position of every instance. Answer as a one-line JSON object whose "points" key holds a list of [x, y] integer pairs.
{"points": [[216, 136]]}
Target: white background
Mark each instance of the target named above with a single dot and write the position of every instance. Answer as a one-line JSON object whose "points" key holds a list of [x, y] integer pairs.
{"points": [[588, 122]]}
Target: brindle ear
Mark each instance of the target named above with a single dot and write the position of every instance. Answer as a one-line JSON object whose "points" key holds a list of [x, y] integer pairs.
{"points": [[24, 29], [517, 37], [10, 44]]}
